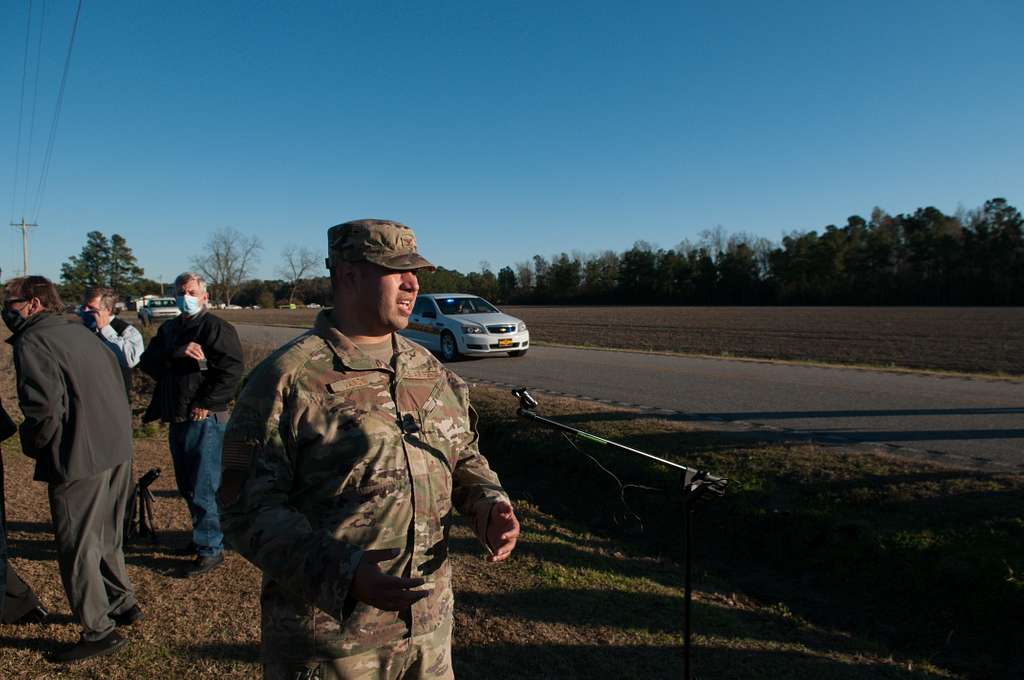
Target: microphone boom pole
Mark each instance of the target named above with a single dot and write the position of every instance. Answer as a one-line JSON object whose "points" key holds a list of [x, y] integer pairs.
{"points": [[694, 487]]}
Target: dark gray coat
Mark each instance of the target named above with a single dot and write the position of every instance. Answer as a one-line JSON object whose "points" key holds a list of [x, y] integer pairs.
{"points": [[77, 418]]}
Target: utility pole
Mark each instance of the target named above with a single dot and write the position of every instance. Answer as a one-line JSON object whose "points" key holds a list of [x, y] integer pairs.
{"points": [[24, 243]]}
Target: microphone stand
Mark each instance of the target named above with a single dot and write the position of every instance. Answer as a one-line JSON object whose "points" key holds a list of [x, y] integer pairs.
{"points": [[695, 486], [140, 520]]}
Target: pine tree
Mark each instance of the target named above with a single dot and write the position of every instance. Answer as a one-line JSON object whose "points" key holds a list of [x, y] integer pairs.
{"points": [[123, 271], [88, 268], [102, 262]]}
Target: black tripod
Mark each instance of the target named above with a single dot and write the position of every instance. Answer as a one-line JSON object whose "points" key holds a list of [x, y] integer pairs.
{"points": [[695, 486], [139, 520]]}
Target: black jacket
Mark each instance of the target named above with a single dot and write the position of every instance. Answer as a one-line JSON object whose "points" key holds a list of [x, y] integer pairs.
{"points": [[77, 419], [180, 383]]}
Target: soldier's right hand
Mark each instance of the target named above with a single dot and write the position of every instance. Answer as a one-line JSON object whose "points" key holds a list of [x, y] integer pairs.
{"points": [[377, 589]]}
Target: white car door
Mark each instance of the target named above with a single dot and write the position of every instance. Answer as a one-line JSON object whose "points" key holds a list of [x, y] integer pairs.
{"points": [[431, 326], [421, 328]]}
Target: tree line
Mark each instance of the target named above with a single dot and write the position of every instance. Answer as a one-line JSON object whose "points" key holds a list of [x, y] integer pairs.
{"points": [[973, 257]]}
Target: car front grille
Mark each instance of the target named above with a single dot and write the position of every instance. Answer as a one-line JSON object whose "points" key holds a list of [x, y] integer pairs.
{"points": [[502, 328]]}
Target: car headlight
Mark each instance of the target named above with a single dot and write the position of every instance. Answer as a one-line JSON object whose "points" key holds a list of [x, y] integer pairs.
{"points": [[522, 326], [473, 330]]}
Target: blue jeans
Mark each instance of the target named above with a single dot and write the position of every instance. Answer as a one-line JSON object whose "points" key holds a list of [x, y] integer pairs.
{"points": [[196, 452]]}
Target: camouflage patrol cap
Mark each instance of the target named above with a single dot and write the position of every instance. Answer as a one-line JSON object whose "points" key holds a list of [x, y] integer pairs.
{"points": [[383, 242]]}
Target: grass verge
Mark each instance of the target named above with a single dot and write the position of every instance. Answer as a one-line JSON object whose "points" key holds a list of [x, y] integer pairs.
{"points": [[923, 559], [573, 603]]}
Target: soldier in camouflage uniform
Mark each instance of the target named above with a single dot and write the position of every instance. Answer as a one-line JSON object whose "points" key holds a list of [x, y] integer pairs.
{"points": [[345, 456]]}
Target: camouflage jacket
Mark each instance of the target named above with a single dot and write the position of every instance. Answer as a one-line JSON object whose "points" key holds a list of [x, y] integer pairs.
{"points": [[344, 454]]}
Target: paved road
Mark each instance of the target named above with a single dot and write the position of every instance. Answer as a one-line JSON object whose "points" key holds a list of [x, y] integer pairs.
{"points": [[958, 420]]}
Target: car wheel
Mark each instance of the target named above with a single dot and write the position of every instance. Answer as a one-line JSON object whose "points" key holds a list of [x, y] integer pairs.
{"points": [[518, 353], [449, 348]]}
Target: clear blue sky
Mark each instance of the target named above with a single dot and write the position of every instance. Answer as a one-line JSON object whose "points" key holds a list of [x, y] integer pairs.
{"points": [[500, 130]]}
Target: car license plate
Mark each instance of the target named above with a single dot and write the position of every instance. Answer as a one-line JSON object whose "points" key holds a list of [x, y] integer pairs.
{"points": [[504, 342]]}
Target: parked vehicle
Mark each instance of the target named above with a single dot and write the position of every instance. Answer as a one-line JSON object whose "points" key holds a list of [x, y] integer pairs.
{"points": [[157, 310], [453, 324]]}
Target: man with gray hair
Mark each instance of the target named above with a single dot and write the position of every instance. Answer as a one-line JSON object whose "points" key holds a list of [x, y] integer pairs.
{"points": [[124, 340], [196, 360]]}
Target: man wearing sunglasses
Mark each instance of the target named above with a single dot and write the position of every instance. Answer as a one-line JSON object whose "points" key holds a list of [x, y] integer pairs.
{"points": [[78, 429]]}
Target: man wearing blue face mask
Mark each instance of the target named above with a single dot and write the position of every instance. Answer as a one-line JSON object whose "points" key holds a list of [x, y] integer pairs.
{"points": [[196, 360], [123, 339]]}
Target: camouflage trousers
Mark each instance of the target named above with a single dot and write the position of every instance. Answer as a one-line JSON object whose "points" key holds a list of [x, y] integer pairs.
{"points": [[427, 657]]}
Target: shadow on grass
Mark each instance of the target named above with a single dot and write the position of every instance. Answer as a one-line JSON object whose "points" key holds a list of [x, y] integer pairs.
{"points": [[43, 645], [669, 574], [654, 613], [224, 651], [41, 550], [568, 662], [30, 527], [157, 563], [853, 540]]}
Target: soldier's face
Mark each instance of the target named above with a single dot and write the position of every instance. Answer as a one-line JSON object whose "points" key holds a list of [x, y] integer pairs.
{"points": [[384, 297]]}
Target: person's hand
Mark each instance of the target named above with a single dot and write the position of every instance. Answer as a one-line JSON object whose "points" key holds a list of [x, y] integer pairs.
{"points": [[373, 587], [198, 413], [192, 350], [102, 318], [502, 531]]}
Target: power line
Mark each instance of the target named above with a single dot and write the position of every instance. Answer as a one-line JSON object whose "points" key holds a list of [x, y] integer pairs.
{"points": [[56, 118], [21, 112], [35, 101]]}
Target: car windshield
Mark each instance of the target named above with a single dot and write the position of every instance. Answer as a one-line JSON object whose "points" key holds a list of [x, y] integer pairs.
{"points": [[162, 303], [465, 305]]}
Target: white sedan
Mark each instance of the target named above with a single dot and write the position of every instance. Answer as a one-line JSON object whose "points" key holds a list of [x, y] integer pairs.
{"points": [[157, 310], [453, 324]]}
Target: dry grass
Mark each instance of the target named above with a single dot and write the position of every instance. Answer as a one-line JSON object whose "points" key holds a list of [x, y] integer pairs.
{"points": [[572, 604], [964, 339], [193, 628]]}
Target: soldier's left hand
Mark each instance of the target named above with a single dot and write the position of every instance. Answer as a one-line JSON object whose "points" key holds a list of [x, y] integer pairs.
{"points": [[502, 531]]}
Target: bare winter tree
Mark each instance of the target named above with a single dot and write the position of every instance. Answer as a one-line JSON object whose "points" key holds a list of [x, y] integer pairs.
{"points": [[227, 261], [298, 265]]}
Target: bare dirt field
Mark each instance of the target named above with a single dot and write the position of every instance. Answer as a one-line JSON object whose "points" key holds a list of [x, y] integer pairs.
{"points": [[963, 339]]}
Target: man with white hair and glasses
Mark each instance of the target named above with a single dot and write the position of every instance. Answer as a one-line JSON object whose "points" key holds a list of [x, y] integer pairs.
{"points": [[196, 360]]}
